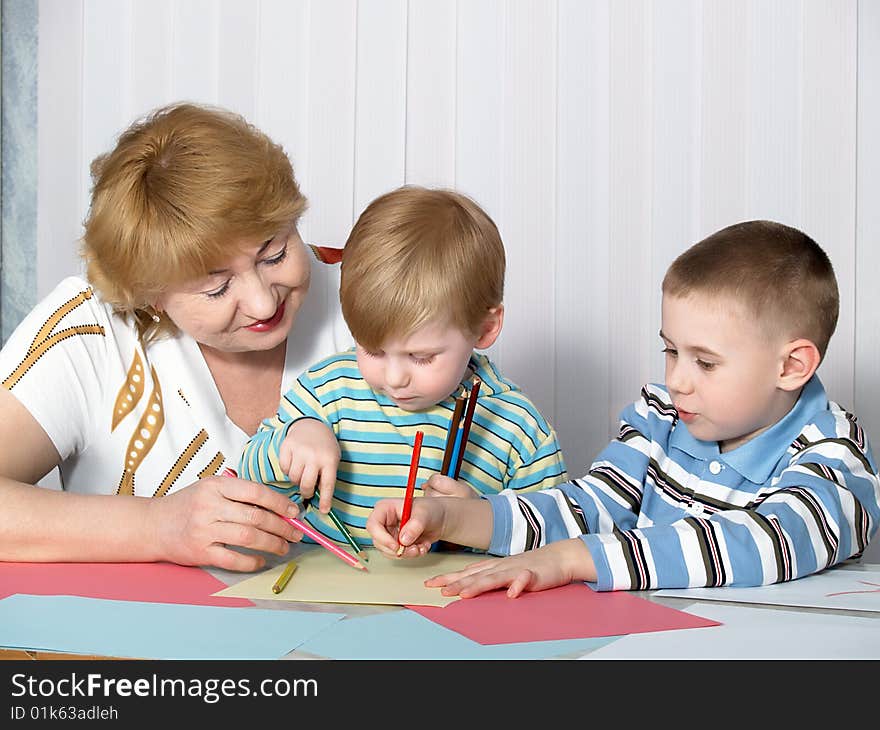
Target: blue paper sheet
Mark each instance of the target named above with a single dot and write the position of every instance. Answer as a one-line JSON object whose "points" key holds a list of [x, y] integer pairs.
{"points": [[406, 635], [154, 630]]}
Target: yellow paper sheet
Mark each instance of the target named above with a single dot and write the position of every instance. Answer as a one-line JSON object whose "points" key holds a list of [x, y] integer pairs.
{"points": [[323, 578]]}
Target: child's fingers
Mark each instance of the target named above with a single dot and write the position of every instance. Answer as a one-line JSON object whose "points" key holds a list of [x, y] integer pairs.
{"points": [[294, 472], [468, 570], [416, 550], [477, 583], [520, 583], [440, 486], [386, 547], [411, 531], [286, 457], [438, 581], [382, 525], [308, 481], [327, 482]]}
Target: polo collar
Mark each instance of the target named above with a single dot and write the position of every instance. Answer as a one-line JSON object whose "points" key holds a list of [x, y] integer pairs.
{"points": [[757, 459]]}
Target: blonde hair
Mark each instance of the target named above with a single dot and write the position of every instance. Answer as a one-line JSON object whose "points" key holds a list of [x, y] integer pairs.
{"points": [[780, 274], [177, 193], [417, 255]]}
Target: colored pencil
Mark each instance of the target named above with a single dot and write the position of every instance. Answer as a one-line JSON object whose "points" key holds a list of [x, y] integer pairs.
{"points": [[284, 578], [334, 518], [466, 426], [324, 542], [455, 449], [410, 485], [315, 535], [452, 434]]}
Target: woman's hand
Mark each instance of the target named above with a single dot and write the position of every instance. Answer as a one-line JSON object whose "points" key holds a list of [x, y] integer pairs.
{"points": [[309, 455], [199, 524], [552, 565]]}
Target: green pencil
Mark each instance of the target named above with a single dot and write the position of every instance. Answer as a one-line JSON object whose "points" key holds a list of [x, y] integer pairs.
{"points": [[358, 550]]}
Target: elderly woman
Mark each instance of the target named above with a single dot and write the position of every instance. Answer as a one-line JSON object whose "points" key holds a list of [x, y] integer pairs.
{"points": [[143, 383]]}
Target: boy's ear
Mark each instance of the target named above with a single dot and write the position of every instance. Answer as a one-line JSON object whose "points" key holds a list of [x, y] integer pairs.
{"points": [[491, 328], [800, 360]]}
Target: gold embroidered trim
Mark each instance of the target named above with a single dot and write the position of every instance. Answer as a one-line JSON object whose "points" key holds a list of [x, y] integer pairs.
{"points": [[212, 468], [58, 315], [144, 436], [41, 349], [182, 462], [126, 483], [131, 391], [43, 341]]}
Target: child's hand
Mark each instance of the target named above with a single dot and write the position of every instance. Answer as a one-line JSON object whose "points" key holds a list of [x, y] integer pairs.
{"points": [[309, 456], [552, 565], [421, 529], [441, 486]]}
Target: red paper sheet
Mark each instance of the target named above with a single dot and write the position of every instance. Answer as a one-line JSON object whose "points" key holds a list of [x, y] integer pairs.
{"points": [[147, 582], [568, 612]]}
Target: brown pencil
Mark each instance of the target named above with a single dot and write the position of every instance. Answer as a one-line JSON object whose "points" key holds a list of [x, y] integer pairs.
{"points": [[453, 432], [466, 425]]}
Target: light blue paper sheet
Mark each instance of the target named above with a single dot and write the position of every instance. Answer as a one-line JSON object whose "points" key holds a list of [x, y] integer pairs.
{"points": [[755, 633], [407, 635], [154, 630]]}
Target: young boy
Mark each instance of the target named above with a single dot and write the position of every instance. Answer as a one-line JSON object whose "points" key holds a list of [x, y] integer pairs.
{"points": [[421, 287], [738, 472]]}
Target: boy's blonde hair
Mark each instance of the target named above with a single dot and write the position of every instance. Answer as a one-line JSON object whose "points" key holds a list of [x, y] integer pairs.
{"points": [[781, 275], [179, 191], [417, 255]]}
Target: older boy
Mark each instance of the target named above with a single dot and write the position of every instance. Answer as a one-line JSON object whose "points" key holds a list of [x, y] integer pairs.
{"points": [[738, 472], [421, 288]]}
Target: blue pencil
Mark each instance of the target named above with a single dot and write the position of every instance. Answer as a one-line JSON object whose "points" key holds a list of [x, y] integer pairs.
{"points": [[450, 472]]}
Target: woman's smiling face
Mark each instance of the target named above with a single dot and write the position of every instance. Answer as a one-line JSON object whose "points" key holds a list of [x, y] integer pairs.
{"points": [[251, 302]]}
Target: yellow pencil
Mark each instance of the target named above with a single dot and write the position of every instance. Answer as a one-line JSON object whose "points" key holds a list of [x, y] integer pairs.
{"points": [[283, 579]]}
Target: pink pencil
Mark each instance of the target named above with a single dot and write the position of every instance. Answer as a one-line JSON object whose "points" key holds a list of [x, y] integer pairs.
{"points": [[314, 534], [321, 540]]}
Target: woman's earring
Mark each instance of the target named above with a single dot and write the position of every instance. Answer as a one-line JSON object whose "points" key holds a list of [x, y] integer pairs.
{"points": [[156, 318]]}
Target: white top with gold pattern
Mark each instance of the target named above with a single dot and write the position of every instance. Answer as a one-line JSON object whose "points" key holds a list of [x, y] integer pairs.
{"points": [[133, 420]]}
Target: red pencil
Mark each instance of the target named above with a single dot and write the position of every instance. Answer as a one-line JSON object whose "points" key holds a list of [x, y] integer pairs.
{"points": [[410, 485]]}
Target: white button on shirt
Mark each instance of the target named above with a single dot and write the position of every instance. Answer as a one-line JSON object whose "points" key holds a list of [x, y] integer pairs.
{"points": [[715, 467], [695, 509]]}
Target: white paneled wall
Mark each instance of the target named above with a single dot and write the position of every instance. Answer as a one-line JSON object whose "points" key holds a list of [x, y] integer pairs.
{"points": [[603, 136]]}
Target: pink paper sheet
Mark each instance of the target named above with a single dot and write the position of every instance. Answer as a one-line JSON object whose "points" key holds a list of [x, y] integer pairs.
{"points": [[147, 582], [568, 612]]}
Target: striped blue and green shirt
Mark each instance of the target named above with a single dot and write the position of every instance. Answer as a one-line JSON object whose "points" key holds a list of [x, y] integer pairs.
{"points": [[510, 445], [661, 509]]}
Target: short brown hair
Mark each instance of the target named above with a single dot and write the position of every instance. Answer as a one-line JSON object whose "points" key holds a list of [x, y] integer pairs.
{"points": [[182, 186], [779, 273], [416, 255]]}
